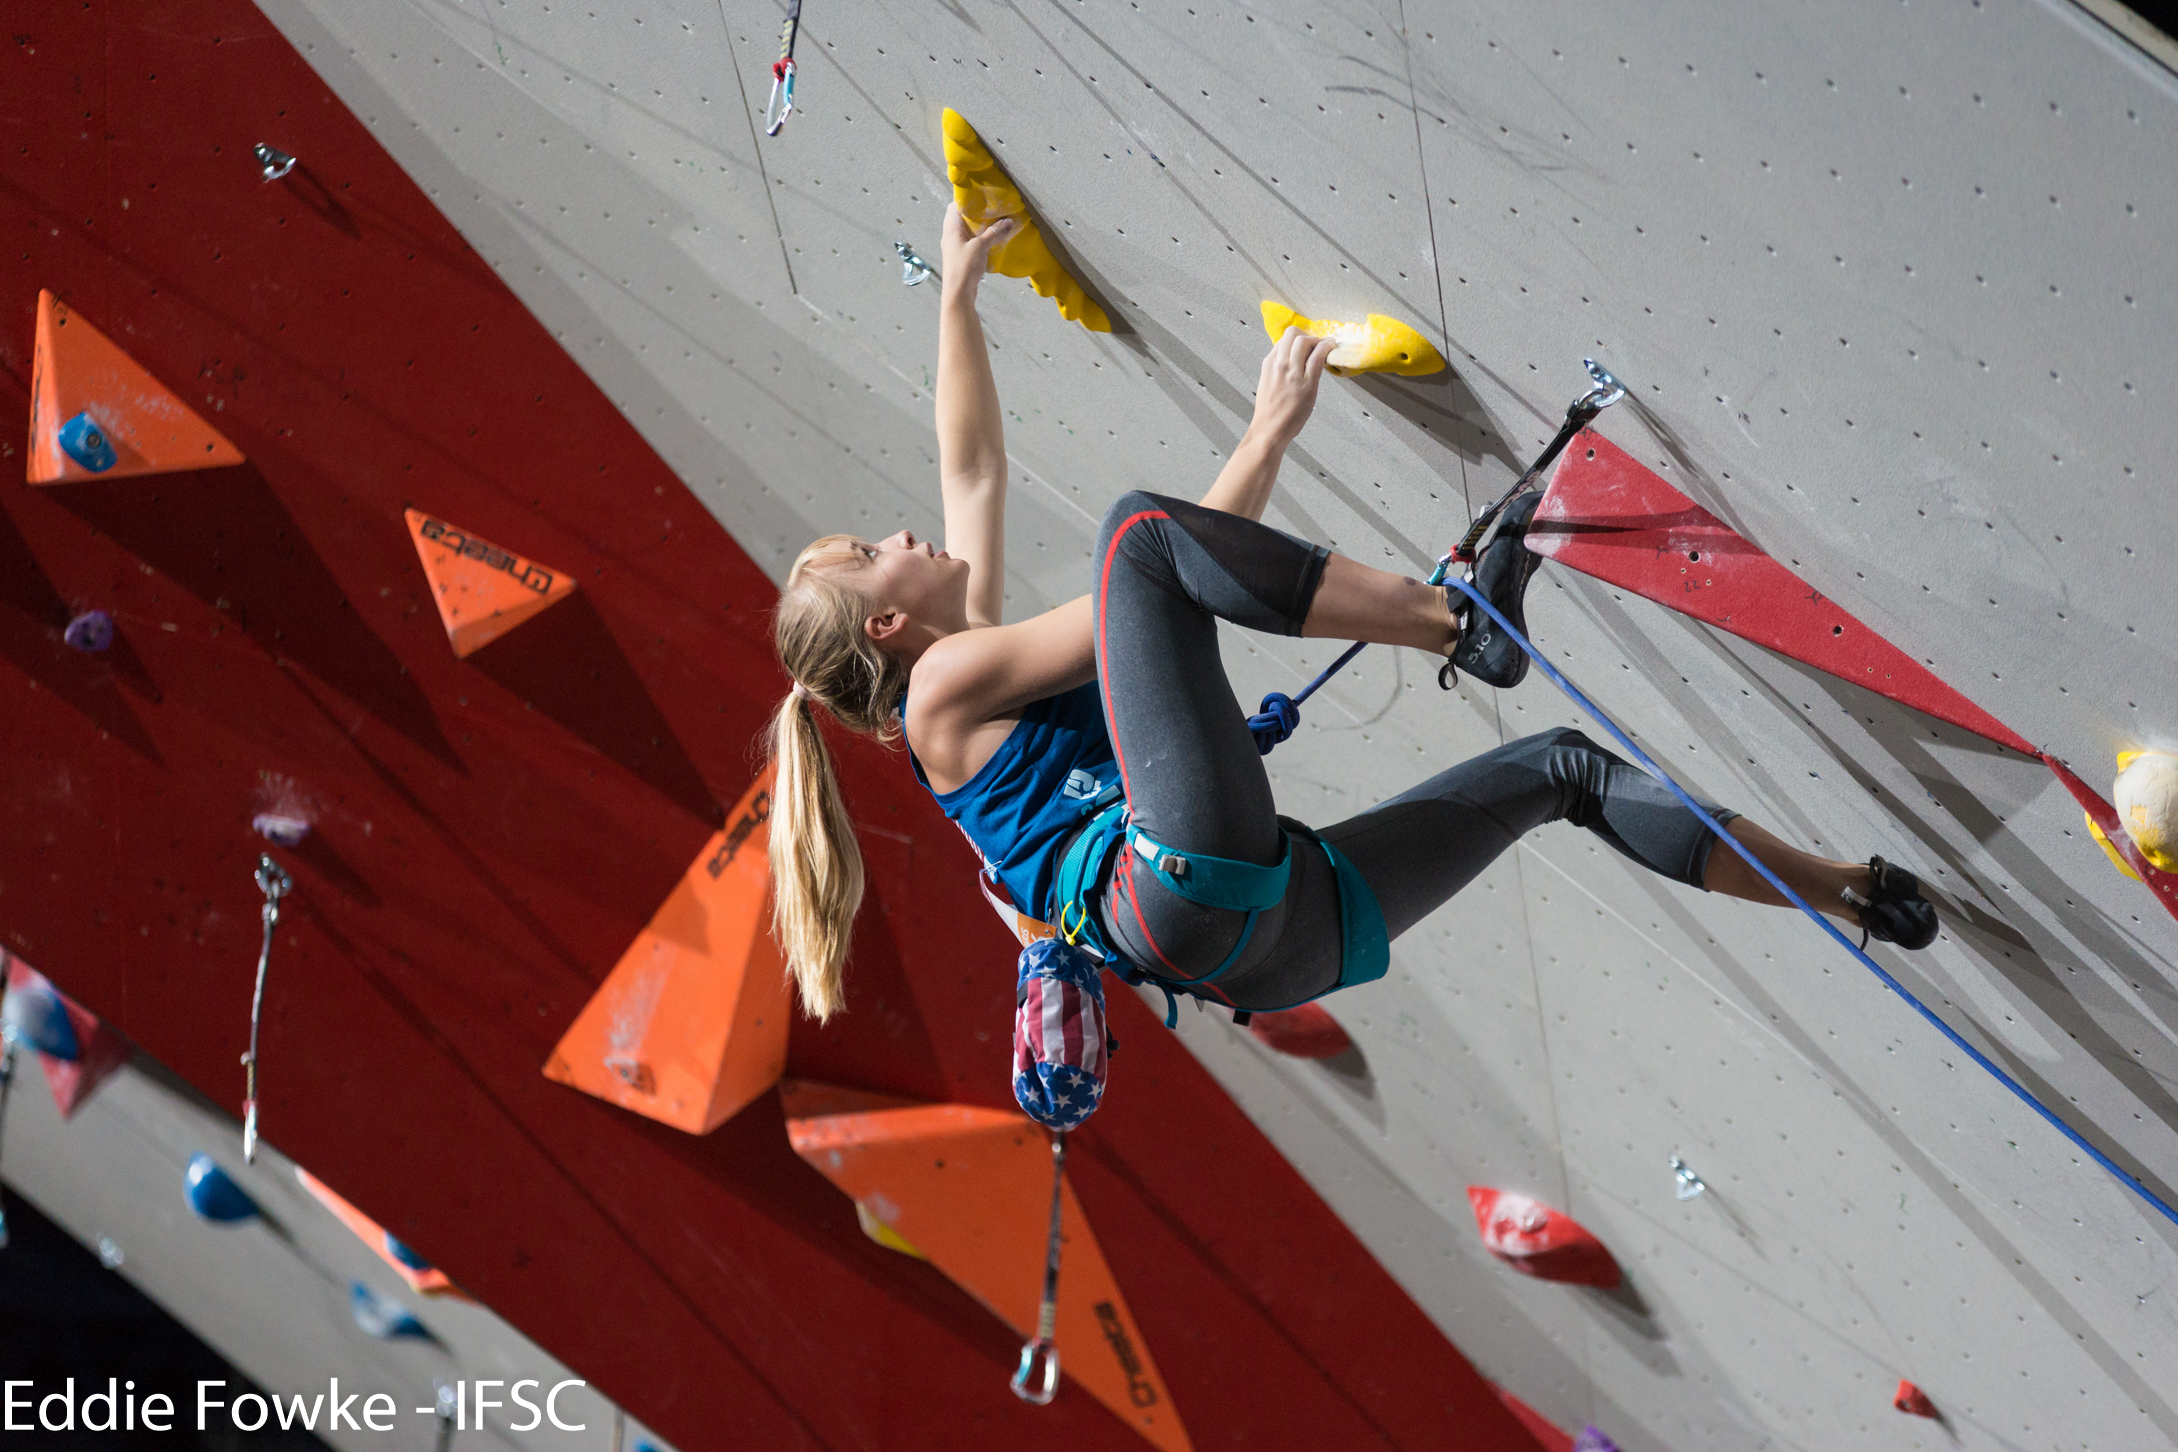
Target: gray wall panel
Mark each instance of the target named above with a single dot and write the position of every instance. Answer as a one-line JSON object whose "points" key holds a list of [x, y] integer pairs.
{"points": [[1820, 243]]}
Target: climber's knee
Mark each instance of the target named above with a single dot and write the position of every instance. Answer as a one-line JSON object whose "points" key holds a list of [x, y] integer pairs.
{"points": [[1579, 769], [1129, 506]]}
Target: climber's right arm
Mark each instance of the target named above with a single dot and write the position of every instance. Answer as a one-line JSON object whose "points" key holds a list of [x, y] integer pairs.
{"points": [[1285, 395]]}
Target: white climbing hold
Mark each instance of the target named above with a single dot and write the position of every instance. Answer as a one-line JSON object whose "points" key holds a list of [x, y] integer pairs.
{"points": [[2146, 797]]}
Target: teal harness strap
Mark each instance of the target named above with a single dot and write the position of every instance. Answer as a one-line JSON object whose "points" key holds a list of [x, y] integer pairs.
{"points": [[1364, 942], [1219, 882]]}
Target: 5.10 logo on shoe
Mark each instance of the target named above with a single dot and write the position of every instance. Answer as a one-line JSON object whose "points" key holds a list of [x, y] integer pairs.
{"points": [[119, 1408]]}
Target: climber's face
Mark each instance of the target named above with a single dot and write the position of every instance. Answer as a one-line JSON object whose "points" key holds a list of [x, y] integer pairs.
{"points": [[905, 580]]}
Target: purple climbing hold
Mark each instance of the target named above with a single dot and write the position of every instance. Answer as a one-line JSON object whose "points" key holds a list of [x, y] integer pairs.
{"points": [[90, 632], [1592, 1440], [280, 829]]}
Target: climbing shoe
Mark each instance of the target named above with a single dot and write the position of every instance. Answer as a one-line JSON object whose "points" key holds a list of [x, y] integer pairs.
{"points": [[1486, 652], [1894, 910]]}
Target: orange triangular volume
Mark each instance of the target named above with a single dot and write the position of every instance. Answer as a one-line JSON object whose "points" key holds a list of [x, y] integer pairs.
{"points": [[970, 1189], [692, 1022], [482, 590], [426, 1280], [78, 369]]}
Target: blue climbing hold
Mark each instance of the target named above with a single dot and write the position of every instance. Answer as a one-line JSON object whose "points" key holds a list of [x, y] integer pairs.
{"points": [[36, 1018], [404, 1255], [82, 440], [382, 1316], [213, 1195]]}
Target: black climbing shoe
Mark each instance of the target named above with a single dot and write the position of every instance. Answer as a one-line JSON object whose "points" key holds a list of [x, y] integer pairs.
{"points": [[1895, 911], [1484, 651]]}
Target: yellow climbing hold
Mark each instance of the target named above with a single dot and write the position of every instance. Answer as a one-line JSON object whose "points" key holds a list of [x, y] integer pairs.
{"points": [[2116, 860], [985, 193], [884, 1234], [2146, 798], [1379, 345]]}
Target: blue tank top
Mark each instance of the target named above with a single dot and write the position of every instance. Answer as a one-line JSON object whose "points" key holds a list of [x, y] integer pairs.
{"points": [[1017, 809]]}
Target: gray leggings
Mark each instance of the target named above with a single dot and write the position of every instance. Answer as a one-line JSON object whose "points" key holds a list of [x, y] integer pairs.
{"points": [[1165, 573]]}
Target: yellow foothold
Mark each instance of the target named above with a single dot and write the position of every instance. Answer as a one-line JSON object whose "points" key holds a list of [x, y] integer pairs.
{"points": [[2146, 798], [985, 193], [1377, 345], [2119, 862], [884, 1234]]}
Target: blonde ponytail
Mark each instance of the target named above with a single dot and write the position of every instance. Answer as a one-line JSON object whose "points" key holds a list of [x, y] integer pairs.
{"points": [[816, 864]]}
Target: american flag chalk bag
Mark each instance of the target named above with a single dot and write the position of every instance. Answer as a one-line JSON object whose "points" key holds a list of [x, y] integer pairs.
{"points": [[1060, 1048]]}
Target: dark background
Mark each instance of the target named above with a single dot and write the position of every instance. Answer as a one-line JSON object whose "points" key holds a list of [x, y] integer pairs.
{"points": [[62, 1315]]}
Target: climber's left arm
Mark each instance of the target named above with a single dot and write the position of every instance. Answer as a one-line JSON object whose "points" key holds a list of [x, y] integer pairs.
{"points": [[971, 429]]}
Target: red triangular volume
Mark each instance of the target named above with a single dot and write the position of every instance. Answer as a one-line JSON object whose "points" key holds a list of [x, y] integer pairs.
{"points": [[99, 1050], [96, 414], [1610, 517], [1539, 1241], [482, 591]]}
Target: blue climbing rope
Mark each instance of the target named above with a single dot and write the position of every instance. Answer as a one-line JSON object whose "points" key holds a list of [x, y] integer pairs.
{"points": [[1281, 713], [1799, 902]]}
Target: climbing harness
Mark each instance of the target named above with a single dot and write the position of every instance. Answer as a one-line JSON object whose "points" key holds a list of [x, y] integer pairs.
{"points": [[781, 104], [2129, 1181], [1279, 716], [1217, 882], [913, 270], [1047, 1314], [274, 883]]}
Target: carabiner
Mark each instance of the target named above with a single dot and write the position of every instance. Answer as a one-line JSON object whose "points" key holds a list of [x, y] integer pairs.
{"points": [[781, 104], [1047, 1313], [1608, 390], [1037, 1397], [913, 270]]}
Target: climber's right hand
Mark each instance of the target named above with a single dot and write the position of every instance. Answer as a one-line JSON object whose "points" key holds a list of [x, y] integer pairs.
{"points": [[967, 253], [1285, 391]]}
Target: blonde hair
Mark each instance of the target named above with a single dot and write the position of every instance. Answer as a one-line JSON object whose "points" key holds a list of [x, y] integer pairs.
{"points": [[816, 866]]}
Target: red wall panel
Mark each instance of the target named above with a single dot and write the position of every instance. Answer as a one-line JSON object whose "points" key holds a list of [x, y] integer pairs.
{"points": [[490, 833]]}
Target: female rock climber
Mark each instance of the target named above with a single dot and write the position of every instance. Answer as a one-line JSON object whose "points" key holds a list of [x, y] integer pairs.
{"points": [[1097, 758]]}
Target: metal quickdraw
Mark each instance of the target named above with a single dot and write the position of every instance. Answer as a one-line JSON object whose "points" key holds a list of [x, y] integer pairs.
{"points": [[1047, 1314], [913, 270], [781, 104], [274, 883], [1578, 415]]}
